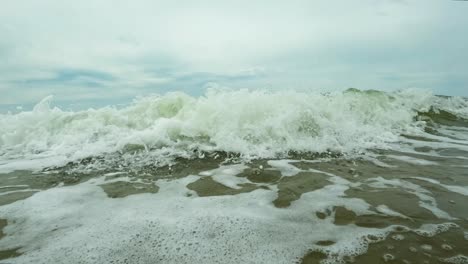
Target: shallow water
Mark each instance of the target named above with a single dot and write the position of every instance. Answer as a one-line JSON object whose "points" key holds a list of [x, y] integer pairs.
{"points": [[266, 211], [403, 201]]}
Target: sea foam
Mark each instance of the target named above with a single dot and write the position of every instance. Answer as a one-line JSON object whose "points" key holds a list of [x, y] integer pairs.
{"points": [[252, 124]]}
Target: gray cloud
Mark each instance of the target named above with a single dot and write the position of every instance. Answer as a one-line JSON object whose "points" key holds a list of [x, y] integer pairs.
{"points": [[104, 49]]}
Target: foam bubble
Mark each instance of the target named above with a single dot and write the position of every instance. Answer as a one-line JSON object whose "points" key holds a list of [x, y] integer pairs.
{"points": [[446, 247], [426, 247], [388, 257], [284, 167], [398, 237], [458, 259]]}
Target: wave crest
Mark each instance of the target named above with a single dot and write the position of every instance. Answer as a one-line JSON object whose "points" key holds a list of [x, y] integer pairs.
{"points": [[253, 124]]}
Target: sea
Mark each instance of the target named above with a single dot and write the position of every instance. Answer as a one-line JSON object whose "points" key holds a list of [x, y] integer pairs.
{"points": [[238, 176]]}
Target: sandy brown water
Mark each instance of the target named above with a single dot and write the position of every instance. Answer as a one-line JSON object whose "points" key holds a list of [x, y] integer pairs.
{"points": [[398, 186]]}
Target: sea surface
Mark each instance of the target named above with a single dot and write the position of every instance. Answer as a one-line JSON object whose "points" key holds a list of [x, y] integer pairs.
{"points": [[238, 177]]}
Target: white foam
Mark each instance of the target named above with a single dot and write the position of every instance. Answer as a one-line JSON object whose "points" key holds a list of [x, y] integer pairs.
{"points": [[226, 175], [446, 247], [284, 167], [251, 123], [425, 199], [434, 145], [430, 230], [443, 135], [81, 224], [387, 211], [388, 257], [460, 135], [334, 195], [412, 160], [114, 173], [426, 247], [398, 237], [410, 149], [373, 158], [13, 186], [18, 191], [345, 245], [455, 105], [463, 190], [458, 259]]}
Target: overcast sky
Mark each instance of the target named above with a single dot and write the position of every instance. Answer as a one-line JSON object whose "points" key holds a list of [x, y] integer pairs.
{"points": [[112, 49]]}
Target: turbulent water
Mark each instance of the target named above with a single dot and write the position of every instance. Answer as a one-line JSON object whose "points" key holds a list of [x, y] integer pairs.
{"points": [[238, 177]]}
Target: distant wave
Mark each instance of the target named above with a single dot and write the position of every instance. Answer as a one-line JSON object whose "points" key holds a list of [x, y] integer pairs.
{"points": [[251, 124]]}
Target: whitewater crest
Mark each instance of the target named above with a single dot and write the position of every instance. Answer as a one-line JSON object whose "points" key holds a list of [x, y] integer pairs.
{"points": [[251, 124]]}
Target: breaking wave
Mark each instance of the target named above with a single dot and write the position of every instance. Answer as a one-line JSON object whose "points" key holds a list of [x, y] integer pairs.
{"points": [[250, 124]]}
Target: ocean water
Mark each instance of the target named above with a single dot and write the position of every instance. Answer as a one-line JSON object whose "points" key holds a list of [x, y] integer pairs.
{"points": [[238, 177]]}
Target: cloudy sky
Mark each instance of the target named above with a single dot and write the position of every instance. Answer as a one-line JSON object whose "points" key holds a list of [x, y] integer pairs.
{"points": [[111, 50]]}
